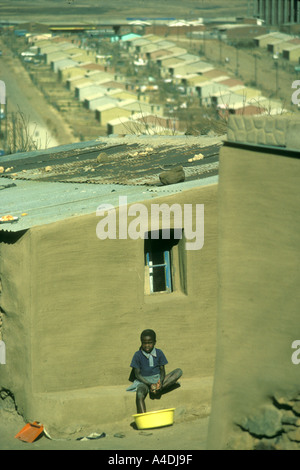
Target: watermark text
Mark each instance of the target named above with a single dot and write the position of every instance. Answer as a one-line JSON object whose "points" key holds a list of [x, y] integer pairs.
{"points": [[296, 354], [136, 221], [295, 99], [2, 92]]}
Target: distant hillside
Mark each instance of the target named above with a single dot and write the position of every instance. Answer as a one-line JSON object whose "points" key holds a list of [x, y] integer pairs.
{"points": [[42, 10]]}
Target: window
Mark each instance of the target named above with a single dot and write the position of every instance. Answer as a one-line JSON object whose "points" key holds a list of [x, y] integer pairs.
{"points": [[158, 263], [164, 265]]}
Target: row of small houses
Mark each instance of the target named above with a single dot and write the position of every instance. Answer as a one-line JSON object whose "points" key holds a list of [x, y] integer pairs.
{"points": [[95, 83], [111, 98], [280, 44], [213, 87]]}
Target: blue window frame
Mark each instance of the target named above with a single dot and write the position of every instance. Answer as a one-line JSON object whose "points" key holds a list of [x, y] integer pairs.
{"points": [[159, 266], [158, 251]]}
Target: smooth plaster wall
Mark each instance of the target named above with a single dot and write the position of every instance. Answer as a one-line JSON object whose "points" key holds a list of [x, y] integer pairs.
{"points": [[15, 303], [86, 307], [259, 276]]}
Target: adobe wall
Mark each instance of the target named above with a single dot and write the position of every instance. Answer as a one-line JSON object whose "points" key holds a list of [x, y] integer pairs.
{"points": [[15, 308], [87, 308], [256, 386]]}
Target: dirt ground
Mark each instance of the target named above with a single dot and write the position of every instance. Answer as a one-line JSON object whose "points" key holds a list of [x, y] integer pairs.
{"points": [[186, 435], [24, 96], [85, 10]]}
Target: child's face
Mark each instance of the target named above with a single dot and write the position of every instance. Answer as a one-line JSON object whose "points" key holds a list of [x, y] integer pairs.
{"points": [[147, 344]]}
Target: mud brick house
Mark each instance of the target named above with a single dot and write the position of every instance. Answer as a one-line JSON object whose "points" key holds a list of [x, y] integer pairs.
{"points": [[73, 305], [256, 393]]}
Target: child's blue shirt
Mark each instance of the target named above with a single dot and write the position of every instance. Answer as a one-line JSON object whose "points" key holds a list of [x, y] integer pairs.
{"points": [[141, 362], [149, 366]]}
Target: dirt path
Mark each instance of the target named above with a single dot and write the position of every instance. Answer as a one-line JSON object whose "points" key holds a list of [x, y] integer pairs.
{"points": [[24, 96], [189, 434]]}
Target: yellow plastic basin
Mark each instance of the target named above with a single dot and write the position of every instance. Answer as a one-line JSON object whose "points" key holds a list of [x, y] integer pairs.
{"points": [[154, 419]]}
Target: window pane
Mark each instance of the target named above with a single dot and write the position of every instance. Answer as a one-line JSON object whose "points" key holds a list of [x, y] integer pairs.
{"points": [[157, 257], [158, 260], [168, 271], [159, 279]]}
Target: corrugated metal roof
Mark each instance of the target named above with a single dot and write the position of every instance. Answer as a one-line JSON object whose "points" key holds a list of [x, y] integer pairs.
{"points": [[139, 42], [65, 63], [76, 182], [45, 203], [49, 49], [130, 36]]}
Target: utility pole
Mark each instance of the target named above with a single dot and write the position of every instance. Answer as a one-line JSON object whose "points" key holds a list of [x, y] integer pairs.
{"points": [[276, 68], [248, 8], [2, 103], [14, 132], [6, 117], [237, 62], [256, 56]]}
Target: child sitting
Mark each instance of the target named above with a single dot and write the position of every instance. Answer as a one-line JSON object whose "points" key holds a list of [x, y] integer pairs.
{"points": [[148, 367]]}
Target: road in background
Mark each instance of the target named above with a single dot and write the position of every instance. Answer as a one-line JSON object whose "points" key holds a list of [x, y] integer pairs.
{"points": [[45, 125]]}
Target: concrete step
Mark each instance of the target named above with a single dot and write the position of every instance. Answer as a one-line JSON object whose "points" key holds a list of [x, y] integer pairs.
{"points": [[64, 412]]}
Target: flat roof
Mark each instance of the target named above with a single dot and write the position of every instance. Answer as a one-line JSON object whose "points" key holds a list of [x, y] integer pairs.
{"points": [[275, 34], [76, 182], [45, 203], [291, 47]]}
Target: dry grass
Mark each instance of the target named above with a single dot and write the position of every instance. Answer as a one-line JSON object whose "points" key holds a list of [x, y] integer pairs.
{"points": [[21, 135]]}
